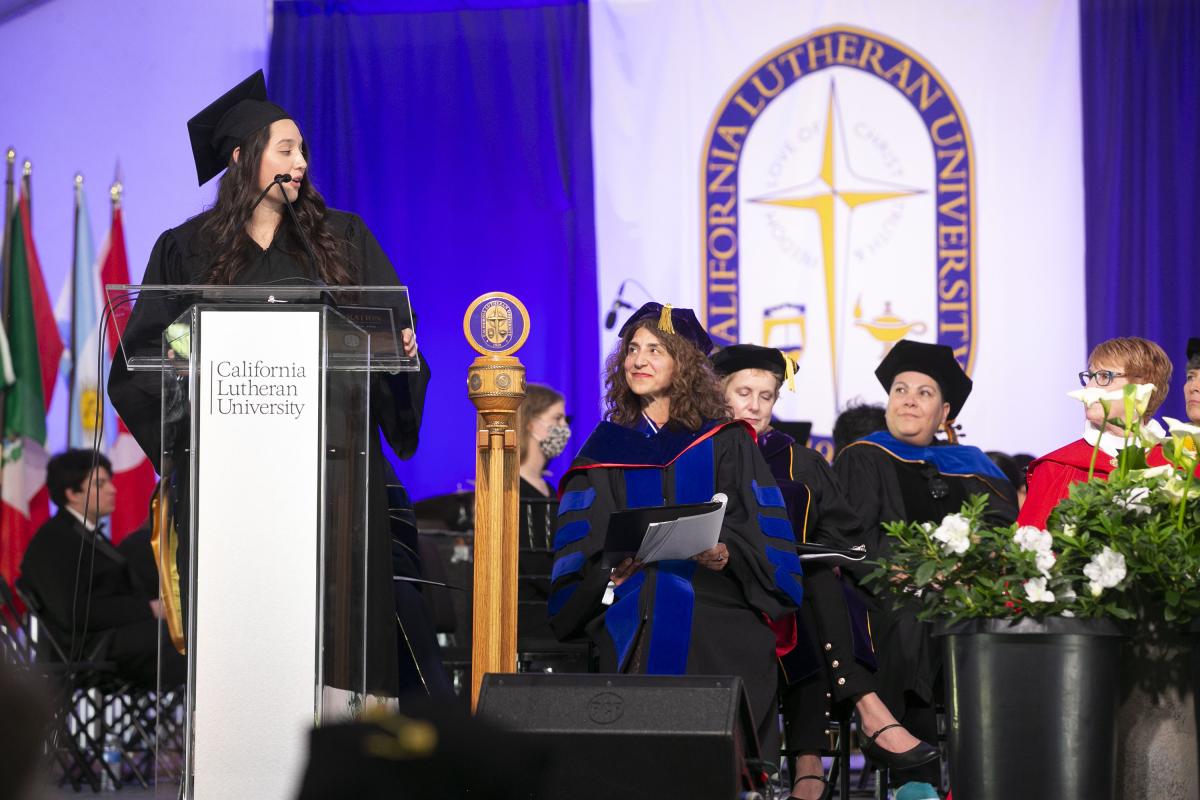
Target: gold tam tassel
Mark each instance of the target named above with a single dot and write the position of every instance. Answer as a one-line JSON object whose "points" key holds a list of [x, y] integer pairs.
{"points": [[789, 371], [664, 320]]}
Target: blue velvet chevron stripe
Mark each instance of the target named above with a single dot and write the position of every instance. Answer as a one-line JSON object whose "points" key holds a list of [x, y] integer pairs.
{"points": [[579, 500], [694, 474], [624, 615], [559, 599], [643, 488], [787, 570], [567, 565], [769, 496], [776, 527], [571, 532], [671, 631]]}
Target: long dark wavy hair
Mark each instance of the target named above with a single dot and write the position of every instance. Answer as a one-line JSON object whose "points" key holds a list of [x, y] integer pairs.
{"points": [[225, 230], [695, 391]]}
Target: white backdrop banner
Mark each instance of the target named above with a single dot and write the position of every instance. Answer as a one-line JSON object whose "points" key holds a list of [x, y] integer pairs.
{"points": [[830, 177]]}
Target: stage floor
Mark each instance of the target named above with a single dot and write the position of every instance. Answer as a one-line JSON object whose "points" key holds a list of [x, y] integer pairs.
{"points": [[137, 793]]}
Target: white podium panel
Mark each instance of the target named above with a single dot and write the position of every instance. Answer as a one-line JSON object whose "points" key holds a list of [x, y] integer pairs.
{"points": [[256, 402]]}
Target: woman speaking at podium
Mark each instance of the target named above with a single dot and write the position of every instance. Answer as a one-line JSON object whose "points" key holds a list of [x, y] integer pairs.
{"points": [[667, 440], [252, 237]]}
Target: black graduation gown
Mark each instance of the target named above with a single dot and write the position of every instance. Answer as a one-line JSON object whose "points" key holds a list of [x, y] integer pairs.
{"points": [[886, 481], [676, 617], [180, 257], [832, 657]]}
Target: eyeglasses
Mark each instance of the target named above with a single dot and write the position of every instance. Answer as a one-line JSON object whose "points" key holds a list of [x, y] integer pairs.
{"points": [[1103, 377]]}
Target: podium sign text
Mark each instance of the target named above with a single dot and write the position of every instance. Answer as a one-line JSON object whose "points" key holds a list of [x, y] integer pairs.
{"points": [[256, 404]]}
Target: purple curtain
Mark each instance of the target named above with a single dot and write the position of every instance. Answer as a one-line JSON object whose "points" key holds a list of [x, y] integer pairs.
{"points": [[1141, 149], [460, 131]]}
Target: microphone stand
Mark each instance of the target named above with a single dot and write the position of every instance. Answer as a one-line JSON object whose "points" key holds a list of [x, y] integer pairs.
{"points": [[295, 219], [312, 256]]}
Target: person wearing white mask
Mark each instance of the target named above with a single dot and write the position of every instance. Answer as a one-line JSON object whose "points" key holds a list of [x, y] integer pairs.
{"points": [[542, 421]]}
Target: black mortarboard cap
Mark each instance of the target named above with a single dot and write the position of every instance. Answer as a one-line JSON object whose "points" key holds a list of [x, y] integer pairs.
{"points": [[935, 360], [735, 358], [1193, 348], [800, 431], [226, 123], [679, 321]]}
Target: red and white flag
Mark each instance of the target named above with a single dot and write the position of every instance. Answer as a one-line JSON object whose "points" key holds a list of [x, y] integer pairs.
{"points": [[36, 350], [133, 474]]}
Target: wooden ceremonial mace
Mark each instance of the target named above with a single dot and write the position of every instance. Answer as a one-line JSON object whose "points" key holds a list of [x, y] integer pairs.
{"points": [[496, 385]]}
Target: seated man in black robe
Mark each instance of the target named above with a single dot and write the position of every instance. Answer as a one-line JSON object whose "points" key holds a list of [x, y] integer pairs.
{"points": [[88, 596]]}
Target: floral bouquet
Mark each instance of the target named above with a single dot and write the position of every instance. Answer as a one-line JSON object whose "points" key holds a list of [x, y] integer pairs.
{"points": [[1113, 548]]}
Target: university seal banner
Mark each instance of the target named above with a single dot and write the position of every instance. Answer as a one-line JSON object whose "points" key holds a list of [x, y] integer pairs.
{"points": [[830, 180]]}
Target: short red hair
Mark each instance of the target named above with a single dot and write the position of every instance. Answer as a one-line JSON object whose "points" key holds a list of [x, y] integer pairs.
{"points": [[1141, 360]]}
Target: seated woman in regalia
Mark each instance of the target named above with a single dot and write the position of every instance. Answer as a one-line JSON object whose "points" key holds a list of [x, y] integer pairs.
{"points": [[825, 652], [667, 439], [907, 474]]}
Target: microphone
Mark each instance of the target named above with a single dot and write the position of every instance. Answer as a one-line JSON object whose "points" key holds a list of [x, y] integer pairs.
{"points": [[281, 180], [278, 179], [611, 318]]}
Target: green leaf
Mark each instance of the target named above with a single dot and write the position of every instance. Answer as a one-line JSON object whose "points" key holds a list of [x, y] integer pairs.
{"points": [[925, 573]]}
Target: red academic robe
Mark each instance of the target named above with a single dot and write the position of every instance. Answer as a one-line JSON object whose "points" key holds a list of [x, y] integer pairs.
{"points": [[1050, 477]]}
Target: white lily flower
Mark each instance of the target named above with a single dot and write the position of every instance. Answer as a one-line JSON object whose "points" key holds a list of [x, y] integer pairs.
{"points": [[1151, 433], [1186, 428], [1175, 487], [1036, 591], [1094, 394], [1105, 570], [1141, 396], [1164, 471], [1045, 561]]}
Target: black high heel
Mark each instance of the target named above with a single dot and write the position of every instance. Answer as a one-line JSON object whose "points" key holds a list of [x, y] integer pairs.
{"points": [[921, 753], [821, 778]]}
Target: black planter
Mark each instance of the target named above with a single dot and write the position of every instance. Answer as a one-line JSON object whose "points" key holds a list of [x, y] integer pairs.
{"points": [[1032, 708]]}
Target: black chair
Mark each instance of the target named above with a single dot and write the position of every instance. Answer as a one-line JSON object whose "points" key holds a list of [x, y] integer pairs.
{"points": [[93, 706]]}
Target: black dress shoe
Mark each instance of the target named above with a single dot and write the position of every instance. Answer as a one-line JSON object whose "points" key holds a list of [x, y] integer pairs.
{"points": [[921, 753]]}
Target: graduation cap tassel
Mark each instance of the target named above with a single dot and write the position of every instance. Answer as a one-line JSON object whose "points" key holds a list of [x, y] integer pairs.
{"points": [[664, 320], [789, 371]]}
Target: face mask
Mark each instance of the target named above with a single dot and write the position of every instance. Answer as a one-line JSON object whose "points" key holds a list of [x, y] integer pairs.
{"points": [[555, 441]]}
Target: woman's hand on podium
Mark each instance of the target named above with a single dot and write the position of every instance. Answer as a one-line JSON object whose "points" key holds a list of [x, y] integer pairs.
{"points": [[409, 340]]}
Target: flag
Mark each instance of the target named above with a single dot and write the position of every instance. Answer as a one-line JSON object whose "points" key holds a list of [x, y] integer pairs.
{"points": [[36, 350], [80, 301], [133, 474]]}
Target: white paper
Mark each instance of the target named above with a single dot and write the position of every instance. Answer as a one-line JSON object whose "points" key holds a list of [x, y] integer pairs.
{"points": [[681, 539]]}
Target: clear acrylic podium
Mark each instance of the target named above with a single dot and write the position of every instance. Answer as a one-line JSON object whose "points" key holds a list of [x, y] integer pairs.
{"points": [[261, 517]]}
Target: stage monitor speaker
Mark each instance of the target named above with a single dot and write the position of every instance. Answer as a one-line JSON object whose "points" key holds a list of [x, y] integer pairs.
{"points": [[631, 736]]}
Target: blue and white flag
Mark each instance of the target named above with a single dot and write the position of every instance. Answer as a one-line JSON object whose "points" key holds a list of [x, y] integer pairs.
{"points": [[84, 302]]}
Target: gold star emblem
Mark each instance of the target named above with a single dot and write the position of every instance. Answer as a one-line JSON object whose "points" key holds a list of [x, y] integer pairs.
{"points": [[836, 181]]}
